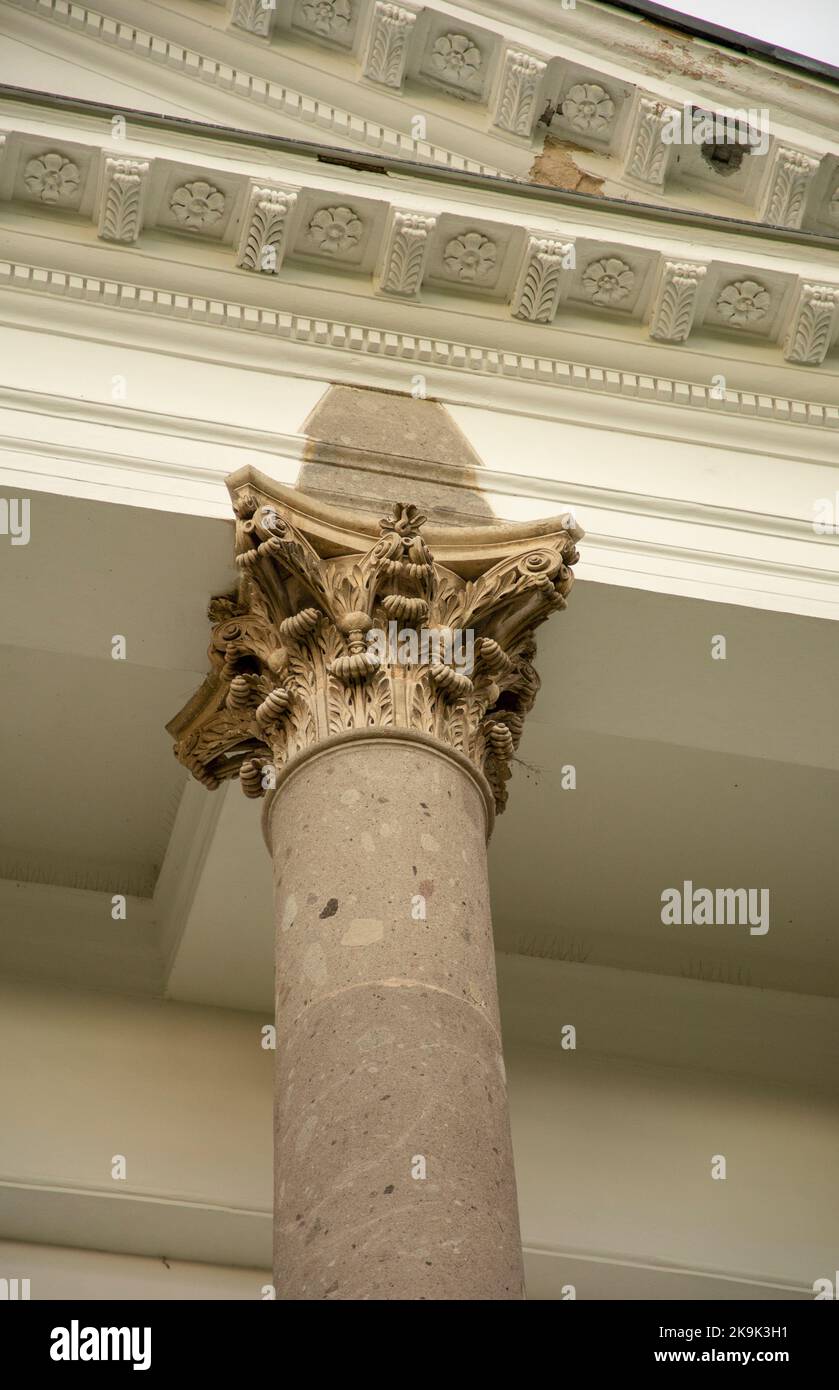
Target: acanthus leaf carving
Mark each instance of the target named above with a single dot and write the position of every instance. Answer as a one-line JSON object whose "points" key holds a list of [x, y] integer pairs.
{"points": [[521, 78], [406, 253], [121, 198], [264, 232], [813, 322], [649, 152], [391, 27], [292, 661], [254, 16], [674, 307], [537, 291], [791, 176]]}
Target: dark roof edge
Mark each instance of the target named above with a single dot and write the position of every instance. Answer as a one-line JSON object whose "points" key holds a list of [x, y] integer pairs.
{"points": [[732, 38], [369, 162]]}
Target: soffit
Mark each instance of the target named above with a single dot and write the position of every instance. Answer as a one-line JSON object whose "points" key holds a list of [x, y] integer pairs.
{"points": [[721, 772], [94, 788]]}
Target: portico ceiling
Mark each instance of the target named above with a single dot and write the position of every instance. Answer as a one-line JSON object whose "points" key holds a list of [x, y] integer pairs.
{"points": [[725, 773]]}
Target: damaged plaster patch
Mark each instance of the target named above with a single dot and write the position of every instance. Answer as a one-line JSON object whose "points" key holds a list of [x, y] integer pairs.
{"points": [[555, 167]]}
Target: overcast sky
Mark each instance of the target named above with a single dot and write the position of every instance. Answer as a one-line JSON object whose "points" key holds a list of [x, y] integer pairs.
{"points": [[804, 26]]}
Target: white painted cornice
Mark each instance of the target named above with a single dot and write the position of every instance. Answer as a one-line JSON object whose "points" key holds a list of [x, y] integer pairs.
{"points": [[389, 278], [279, 214], [432, 352], [646, 537], [317, 116], [382, 79], [737, 78]]}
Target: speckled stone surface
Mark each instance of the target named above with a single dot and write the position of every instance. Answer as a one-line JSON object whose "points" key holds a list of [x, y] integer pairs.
{"points": [[394, 1170]]}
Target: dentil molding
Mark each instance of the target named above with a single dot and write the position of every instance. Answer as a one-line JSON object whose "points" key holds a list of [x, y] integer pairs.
{"points": [[415, 348]]}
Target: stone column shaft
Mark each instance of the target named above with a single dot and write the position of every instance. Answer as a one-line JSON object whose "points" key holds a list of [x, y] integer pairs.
{"points": [[377, 689], [394, 1173]]}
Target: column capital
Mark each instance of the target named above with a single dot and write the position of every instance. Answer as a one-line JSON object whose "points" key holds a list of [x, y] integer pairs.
{"points": [[339, 626]]}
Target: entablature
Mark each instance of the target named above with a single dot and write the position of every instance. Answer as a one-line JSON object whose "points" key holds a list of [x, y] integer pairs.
{"points": [[286, 217], [634, 114]]}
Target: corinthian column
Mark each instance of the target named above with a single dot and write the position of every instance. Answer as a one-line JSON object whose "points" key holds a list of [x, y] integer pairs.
{"points": [[372, 684]]}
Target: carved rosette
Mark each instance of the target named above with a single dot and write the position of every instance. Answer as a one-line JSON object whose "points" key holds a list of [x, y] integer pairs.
{"points": [[293, 660]]}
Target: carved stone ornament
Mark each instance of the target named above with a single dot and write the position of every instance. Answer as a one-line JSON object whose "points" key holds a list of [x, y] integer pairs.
{"points": [[813, 322], [745, 301], [331, 18], [263, 236], [254, 16], [674, 306], [456, 58], [608, 281], [588, 108], [121, 199], [406, 251], [52, 177], [470, 256], [649, 152], [792, 176], [521, 77], [537, 293], [197, 205], [339, 628], [387, 46], [335, 230]]}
